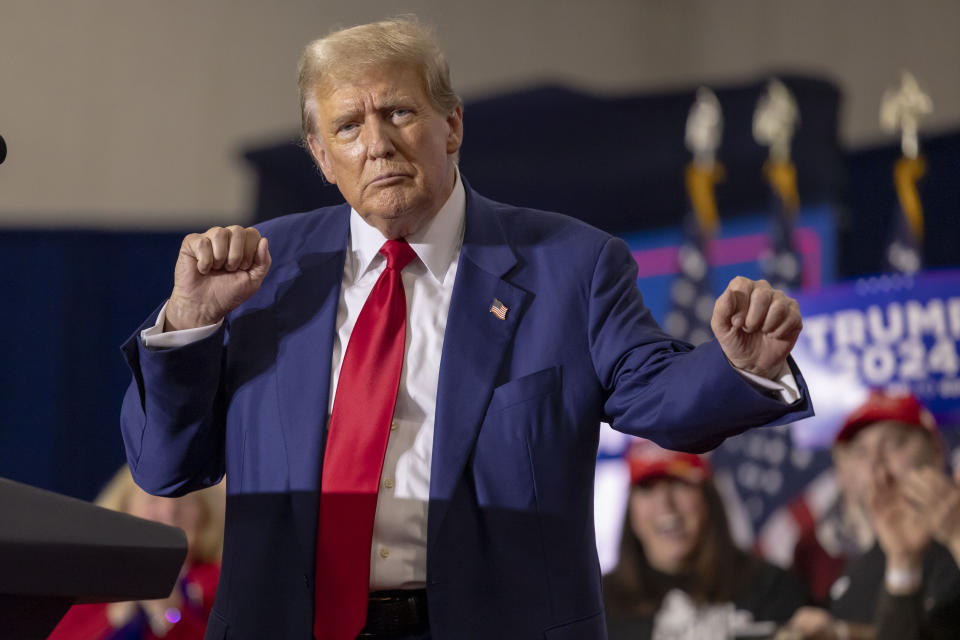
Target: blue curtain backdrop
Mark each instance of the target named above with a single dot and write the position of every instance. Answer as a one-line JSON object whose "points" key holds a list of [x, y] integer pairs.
{"points": [[70, 299]]}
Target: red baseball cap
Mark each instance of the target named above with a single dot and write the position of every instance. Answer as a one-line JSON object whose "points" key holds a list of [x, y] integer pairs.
{"points": [[904, 408], [648, 461]]}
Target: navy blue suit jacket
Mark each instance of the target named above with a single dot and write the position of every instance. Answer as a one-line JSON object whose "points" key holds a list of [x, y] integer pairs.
{"points": [[510, 544]]}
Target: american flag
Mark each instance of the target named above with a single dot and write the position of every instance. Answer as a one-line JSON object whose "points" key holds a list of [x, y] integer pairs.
{"points": [[763, 477], [499, 309], [782, 265], [691, 294]]}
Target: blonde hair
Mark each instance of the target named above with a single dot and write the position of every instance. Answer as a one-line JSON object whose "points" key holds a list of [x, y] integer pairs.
{"points": [[208, 546], [347, 51]]}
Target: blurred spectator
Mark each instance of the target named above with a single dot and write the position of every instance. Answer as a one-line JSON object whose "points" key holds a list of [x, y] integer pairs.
{"points": [[937, 503], [181, 616], [680, 575], [844, 532], [889, 456]]}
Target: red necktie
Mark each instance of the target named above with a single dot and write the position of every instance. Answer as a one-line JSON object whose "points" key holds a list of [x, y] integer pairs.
{"points": [[356, 442]]}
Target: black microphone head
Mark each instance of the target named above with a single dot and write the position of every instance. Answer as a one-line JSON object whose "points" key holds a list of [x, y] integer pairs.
{"points": [[3, 150]]}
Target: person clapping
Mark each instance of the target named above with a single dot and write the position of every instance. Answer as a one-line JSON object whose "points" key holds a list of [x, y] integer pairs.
{"points": [[907, 584]]}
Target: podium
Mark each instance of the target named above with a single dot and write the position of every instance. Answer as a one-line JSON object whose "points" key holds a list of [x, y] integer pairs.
{"points": [[57, 551]]}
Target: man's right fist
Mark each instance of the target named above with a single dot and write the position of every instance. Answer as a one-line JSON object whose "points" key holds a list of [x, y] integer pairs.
{"points": [[216, 271]]}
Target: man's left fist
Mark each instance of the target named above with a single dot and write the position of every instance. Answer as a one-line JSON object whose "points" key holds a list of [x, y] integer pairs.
{"points": [[756, 326]]}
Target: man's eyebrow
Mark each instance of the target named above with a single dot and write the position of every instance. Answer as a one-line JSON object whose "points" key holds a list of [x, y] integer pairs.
{"points": [[394, 99], [353, 112], [343, 119]]}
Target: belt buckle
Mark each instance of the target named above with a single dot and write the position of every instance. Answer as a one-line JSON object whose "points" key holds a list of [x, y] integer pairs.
{"points": [[396, 613]]}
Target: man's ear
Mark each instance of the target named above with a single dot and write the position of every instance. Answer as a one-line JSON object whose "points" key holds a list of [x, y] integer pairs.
{"points": [[455, 136], [319, 153]]}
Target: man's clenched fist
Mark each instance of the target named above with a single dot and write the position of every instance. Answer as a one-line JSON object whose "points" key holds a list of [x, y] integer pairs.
{"points": [[216, 271], [756, 325]]}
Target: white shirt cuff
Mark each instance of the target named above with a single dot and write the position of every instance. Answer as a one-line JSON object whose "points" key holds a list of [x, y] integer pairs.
{"points": [[155, 337], [785, 384]]}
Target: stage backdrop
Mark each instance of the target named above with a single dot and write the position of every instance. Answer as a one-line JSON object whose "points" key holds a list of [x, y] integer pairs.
{"points": [[72, 296]]}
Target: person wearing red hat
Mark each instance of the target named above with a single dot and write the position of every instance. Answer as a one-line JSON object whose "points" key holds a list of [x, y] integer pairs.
{"points": [[679, 574], [889, 457]]}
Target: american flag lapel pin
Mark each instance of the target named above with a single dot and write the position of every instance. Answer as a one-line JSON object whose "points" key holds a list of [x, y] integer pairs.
{"points": [[499, 309]]}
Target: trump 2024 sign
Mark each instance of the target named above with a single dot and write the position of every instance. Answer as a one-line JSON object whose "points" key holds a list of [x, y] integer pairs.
{"points": [[892, 332]]}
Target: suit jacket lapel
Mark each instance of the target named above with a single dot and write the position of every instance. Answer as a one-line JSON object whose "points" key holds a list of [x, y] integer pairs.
{"points": [[306, 313], [475, 343]]}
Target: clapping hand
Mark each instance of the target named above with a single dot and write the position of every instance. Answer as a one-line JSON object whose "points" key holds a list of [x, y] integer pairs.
{"points": [[900, 529], [937, 502]]}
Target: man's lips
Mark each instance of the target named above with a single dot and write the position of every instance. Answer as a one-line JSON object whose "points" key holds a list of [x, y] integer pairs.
{"points": [[386, 179]]}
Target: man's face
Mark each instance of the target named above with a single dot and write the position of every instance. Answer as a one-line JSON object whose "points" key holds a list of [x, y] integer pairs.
{"points": [[379, 138], [886, 449]]}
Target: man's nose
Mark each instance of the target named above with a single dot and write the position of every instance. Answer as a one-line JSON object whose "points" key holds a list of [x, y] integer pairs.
{"points": [[379, 142]]}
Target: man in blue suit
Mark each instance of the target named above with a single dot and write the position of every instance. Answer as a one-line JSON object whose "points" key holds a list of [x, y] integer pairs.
{"points": [[521, 331]]}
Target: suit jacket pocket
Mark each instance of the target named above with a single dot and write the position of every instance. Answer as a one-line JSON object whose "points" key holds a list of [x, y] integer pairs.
{"points": [[528, 387], [590, 628]]}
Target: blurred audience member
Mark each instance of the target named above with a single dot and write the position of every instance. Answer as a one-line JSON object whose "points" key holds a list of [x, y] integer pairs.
{"points": [[181, 616], [937, 502], [827, 544], [680, 575], [890, 454]]}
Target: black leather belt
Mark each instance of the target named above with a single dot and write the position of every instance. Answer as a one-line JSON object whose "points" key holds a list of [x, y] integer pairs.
{"points": [[396, 613]]}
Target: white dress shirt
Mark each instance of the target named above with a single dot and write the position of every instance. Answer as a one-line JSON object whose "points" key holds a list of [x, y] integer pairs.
{"points": [[398, 553]]}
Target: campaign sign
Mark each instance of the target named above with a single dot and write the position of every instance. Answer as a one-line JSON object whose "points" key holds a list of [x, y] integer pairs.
{"points": [[891, 332]]}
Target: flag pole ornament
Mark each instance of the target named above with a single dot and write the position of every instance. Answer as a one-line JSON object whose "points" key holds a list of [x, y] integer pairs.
{"points": [[703, 135], [691, 295], [704, 127], [774, 121], [901, 110]]}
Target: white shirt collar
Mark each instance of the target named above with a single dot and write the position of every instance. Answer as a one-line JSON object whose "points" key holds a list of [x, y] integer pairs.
{"points": [[436, 243]]}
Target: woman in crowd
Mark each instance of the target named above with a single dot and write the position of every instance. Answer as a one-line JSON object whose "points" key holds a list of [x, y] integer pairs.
{"points": [[181, 616], [680, 576]]}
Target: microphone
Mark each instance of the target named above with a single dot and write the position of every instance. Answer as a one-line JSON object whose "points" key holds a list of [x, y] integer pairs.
{"points": [[3, 150]]}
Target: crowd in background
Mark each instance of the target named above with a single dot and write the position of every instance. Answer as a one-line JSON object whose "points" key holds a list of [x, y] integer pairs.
{"points": [[882, 564]]}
